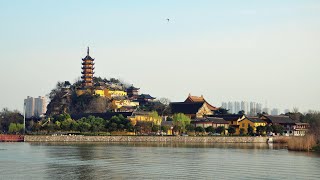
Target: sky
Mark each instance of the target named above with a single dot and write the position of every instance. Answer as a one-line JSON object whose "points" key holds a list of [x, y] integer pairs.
{"points": [[264, 51]]}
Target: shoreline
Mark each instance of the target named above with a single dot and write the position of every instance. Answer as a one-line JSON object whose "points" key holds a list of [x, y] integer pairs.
{"points": [[185, 139]]}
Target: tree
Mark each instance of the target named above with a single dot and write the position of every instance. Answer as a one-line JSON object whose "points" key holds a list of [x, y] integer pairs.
{"points": [[13, 128], [221, 111], [220, 129], [7, 117], [166, 106], [169, 119], [242, 131], [210, 129], [242, 112], [250, 130], [66, 124], [145, 126], [165, 128], [190, 128], [231, 130], [261, 130], [155, 128], [199, 129], [278, 129], [155, 117], [113, 127], [269, 129], [313, 118], [181, 120], [84, 126]]}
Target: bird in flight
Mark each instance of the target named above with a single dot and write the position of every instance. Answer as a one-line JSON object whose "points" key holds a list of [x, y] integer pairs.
{"points": [[168, 19]]}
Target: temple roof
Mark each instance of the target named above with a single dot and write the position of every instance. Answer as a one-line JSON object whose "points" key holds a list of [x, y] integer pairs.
{"points": [[212, 119], [256, 120], [200, 99], [279, 119], [185, 107], [229, 117], [145, 96], [132, 88]]}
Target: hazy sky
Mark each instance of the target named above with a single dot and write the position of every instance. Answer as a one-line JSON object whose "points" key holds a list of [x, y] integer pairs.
{"points": [[264, 51]]}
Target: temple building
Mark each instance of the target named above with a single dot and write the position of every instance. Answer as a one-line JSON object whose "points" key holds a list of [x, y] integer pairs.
{"points": [[194, 107], [87, 71], [133, 92], [191, 109], [193, 99]]}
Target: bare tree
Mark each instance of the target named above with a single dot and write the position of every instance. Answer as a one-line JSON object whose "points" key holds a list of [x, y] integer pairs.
{"points": [[164, 101]]}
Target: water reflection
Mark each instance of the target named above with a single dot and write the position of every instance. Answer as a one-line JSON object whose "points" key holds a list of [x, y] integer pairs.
{"points": [[133, 160]]}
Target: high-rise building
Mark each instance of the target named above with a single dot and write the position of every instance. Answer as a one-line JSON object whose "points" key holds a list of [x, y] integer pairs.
{"points": [[224, 105], [259, 108], [237, 107], [253, 109], [275, 111], [244, 106], [265, 110], [250, 108], [230, 107], [40, 107], [29, 107], [35, 107]]}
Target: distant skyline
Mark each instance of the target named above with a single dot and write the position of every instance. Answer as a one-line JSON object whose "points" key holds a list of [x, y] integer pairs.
{"points": [[224, 50]]}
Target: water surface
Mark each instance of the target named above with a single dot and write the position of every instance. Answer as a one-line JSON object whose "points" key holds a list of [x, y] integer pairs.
{"points": [[154, 161]]}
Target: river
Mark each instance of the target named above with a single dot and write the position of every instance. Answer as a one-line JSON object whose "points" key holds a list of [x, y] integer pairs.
{"points": [[155, 161]]}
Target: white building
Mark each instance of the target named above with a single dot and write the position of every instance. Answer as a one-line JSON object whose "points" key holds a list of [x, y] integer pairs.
{"points": [[230, 107], [275, 111], [40, 107], [35, 107], [29, 107], [224, 105], [266, 110], [237, 107], [245, 107]]}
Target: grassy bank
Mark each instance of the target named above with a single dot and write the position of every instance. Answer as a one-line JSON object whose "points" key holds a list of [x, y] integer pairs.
{"points": [[305, 143]]}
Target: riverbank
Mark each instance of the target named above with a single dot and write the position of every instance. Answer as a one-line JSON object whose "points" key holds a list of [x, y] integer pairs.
{"points": [[185, 139]]}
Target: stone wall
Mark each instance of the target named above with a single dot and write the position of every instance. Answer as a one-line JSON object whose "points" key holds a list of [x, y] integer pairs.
{"points": [[191, 139]]}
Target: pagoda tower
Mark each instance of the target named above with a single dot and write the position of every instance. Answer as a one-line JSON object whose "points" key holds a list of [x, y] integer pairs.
{"points": [[87, 71]]}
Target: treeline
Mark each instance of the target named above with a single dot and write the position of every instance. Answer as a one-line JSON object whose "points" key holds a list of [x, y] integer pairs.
{"points": [[11, 122], [64, 123]]}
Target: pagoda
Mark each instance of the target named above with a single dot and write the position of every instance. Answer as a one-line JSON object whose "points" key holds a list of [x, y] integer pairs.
{"points": [[133, 92], [87, 71]]}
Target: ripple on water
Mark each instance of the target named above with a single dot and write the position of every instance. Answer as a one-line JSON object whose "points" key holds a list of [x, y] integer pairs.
{"points": [[154, 161]]}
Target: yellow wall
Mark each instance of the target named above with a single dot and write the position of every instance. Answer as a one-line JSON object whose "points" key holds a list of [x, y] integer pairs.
{"points": [[103, 93], [117, 104], [99, 92], [245, 123], [143, 118], [204, 110], [111, 93]]}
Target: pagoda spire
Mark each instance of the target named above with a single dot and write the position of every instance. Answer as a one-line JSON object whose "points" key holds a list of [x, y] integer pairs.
{"points": [[88, 51]]}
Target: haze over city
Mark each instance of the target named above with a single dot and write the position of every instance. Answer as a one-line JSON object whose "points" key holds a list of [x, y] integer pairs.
{"points": [[263, 51]]}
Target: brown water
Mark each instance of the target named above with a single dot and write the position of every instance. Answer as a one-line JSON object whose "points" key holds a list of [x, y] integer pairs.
{"points": [[154, 161]]}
